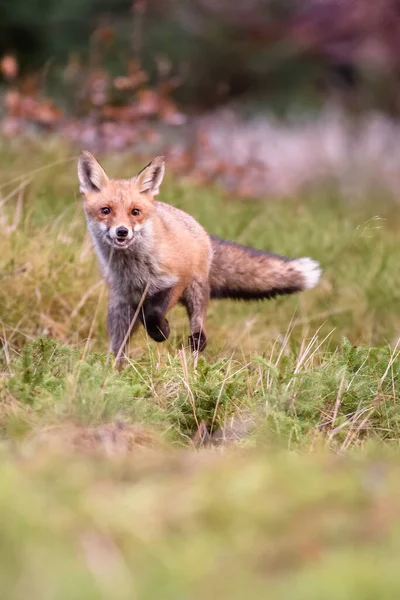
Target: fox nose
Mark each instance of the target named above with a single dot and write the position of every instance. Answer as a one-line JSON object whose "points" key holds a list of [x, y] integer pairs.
{"points": [[121, 232]]}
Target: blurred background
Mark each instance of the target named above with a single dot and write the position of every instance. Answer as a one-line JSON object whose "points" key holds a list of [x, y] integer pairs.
{"points": [[264, 96]]}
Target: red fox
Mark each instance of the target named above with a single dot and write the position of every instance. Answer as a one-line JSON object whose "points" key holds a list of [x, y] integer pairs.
{"points": [[153, 256]]}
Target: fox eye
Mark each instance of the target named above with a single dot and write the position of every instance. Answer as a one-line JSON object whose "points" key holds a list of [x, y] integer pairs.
{"points": [[105, 211], [135, 212]]}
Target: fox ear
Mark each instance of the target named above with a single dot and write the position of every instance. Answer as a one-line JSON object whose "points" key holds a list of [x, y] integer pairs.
{"points": [[92, 177], [150, 178]]}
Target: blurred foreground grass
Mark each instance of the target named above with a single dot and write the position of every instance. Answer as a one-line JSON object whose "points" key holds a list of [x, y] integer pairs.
{"points": [[160, 526], [104, 492]]}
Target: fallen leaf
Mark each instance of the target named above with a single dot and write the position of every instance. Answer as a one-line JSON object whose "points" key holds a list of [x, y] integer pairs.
{"points": [[9, 66]]}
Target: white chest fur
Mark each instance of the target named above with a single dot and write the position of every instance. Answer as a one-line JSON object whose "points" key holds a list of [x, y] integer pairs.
{"points": [[129, 270]]}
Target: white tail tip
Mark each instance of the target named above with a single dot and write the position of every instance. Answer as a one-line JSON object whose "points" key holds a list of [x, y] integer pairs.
{"points": [[311, 271]]}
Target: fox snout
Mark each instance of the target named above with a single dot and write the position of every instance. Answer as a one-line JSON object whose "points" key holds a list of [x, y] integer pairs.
{"points": [[121, 232], [120, 235]]}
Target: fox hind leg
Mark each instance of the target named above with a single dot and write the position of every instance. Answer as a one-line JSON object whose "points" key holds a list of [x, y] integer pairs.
{"points": [[195, 299]]}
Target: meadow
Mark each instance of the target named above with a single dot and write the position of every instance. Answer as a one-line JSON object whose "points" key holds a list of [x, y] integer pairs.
{"points": [[269, 465]]}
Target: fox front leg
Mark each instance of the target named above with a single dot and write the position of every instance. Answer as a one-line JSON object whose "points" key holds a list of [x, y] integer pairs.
{"points": [[195, 299], [121, 325], [152, 315]]}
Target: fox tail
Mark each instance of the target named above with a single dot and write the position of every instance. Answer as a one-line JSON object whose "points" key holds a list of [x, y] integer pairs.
{"points": [[247, 274]]}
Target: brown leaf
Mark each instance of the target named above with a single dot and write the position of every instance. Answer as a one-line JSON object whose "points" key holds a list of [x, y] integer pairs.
{"points": [[12, 102], [46, 112], [98, 87], [130, 82], [9, 66], [121, 113], [26, 107], [105, 33], [148, 103], [169, 113], [31, 85]]}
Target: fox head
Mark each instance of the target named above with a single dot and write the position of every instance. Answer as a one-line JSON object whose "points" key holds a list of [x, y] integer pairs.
{"points": [[118, 209]]}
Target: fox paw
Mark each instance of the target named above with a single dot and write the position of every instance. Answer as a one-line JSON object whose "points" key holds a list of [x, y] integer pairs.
{"points": [[159, 332], [198, 341]]}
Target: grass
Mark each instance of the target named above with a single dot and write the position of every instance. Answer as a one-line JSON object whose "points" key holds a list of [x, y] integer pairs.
{"points": [[269, 465]]}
